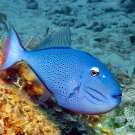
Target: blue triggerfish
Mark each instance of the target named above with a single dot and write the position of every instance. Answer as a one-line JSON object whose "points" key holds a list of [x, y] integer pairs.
{"points": [[78, 81]]}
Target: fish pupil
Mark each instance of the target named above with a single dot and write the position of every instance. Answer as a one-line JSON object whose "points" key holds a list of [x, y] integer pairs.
{"points": [[93, 73]]}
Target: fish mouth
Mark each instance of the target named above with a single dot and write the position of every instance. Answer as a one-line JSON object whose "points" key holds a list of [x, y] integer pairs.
{"points": [[118, 96]]}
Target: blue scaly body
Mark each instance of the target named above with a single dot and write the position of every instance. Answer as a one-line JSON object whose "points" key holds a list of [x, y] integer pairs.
{"points": [[78, 81]]}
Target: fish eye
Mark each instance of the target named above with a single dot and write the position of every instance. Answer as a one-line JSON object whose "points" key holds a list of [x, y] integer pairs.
{"points": [[94, 71]]}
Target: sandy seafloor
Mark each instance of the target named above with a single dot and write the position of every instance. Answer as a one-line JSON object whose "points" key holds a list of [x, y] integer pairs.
{"points": [[100, 27]]}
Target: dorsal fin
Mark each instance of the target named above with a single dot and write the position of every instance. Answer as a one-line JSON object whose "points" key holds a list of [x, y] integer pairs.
{"points": [[61, 38]]}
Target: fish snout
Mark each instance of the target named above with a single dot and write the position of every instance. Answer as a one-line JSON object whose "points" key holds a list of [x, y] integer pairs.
{"points": [[116, 94]]}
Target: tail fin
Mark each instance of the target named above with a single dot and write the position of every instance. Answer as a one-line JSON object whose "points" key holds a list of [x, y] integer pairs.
{"points": [[12, 50]]}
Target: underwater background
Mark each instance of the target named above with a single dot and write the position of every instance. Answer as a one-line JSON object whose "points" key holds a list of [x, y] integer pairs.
{"points": [[103, 28]]}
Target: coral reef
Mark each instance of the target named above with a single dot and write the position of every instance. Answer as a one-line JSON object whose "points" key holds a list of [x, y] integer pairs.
{"points": [[19, 115]]}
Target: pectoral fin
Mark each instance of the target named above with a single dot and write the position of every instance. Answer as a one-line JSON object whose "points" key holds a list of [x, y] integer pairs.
{"points": [[36, 86]]}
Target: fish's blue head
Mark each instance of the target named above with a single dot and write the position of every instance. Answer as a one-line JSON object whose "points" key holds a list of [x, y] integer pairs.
{"points": [[98, 91]]}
